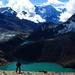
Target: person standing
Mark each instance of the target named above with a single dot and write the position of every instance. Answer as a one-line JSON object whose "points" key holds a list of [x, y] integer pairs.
{"points": [[18, 67]]}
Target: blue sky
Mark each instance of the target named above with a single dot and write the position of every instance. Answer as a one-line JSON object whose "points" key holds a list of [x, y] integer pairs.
{"points": [[63, 0], [36, 2], [4, 1]]}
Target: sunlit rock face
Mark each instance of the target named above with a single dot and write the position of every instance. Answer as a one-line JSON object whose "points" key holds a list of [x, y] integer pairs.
{"points": [[5, 36]]}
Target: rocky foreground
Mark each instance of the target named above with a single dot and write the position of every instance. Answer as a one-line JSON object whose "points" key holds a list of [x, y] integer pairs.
{"points": [[34, 73]]}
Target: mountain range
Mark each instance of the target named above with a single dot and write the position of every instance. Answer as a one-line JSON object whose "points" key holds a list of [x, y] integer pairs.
{"points": [[41, 14], [49, 41]]}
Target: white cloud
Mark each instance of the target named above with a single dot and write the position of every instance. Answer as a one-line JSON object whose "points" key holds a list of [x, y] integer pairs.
{"points": [[70, 7], [65, 16], [1, 4], [55, 2], [19, 5], [35, 18], [58, 5]]}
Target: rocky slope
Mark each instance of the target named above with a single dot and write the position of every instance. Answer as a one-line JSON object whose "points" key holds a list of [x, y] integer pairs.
{"points": [[59, 50]]}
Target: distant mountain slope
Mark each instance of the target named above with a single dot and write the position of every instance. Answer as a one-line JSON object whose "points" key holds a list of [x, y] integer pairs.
{"points": [[7, 11], [15, 24]]}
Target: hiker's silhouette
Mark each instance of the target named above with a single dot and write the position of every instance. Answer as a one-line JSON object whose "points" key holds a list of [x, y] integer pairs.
{"points": [[18, 67]]}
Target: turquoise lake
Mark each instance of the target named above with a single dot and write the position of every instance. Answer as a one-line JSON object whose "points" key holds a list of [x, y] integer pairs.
{"points": [[38, 67]]}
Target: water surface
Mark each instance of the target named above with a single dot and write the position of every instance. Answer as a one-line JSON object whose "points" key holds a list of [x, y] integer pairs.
{"points": [[38, 67]]}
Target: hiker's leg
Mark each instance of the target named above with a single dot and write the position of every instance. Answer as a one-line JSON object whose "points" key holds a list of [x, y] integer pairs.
{"points": [[16, 69], [19, 70]]}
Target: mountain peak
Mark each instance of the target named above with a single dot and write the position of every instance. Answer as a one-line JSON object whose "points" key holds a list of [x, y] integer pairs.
{"points": [[7, 11], [48, 12], [72, 18]]}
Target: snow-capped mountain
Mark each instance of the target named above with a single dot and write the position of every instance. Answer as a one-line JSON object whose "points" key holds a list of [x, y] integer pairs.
{"points": [[8, 11], [48, 12], [39, 14]]}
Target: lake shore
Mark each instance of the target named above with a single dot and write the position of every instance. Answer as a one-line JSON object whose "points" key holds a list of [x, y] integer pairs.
{"points": [[34, 73]]}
